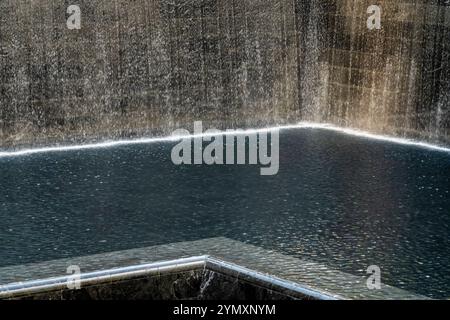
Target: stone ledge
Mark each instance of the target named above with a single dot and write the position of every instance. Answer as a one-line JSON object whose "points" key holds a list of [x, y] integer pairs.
{"points": [[296, 277], [133, 282]]}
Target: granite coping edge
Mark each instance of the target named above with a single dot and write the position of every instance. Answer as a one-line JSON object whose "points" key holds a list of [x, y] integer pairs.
{"points": [[181, 265], [230, 255]]}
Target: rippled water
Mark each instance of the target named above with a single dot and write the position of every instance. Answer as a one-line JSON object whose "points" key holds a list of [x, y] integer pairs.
{"points": [[344, 201]]}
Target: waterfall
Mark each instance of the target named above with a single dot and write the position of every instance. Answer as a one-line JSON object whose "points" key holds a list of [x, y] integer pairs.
{"points": [[147, 67]]}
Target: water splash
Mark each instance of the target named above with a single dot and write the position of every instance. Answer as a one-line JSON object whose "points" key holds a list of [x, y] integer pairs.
{"points": [[301, 125]]}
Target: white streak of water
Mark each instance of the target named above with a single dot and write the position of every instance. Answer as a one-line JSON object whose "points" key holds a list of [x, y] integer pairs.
{"points": [[372, 136], [301, 125]]}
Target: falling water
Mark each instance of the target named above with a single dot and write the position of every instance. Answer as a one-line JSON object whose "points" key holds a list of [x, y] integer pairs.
{"points": [[146, 67]]}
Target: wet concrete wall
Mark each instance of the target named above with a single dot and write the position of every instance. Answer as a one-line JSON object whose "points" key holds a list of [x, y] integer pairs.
{"points": [[394, 80], [146, 67]]}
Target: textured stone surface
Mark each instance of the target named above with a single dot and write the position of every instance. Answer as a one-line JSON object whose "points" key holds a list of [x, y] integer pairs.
{"points": [[193, 285], [301, 273], [164, 287], [146, 67]]}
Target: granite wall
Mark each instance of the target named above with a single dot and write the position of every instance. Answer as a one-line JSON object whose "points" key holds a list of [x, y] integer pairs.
{"points": [[189, 285], [395, 80], [146, 67]]}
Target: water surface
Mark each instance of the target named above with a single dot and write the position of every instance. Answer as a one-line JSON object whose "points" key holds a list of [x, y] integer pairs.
{"points": [[344, 201]]}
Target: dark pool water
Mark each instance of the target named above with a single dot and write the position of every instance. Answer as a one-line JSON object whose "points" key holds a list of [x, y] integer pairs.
{"points": [[344, 201]]}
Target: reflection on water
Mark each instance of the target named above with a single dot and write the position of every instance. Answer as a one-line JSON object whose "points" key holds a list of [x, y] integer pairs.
{"points": [[340, 200]]}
